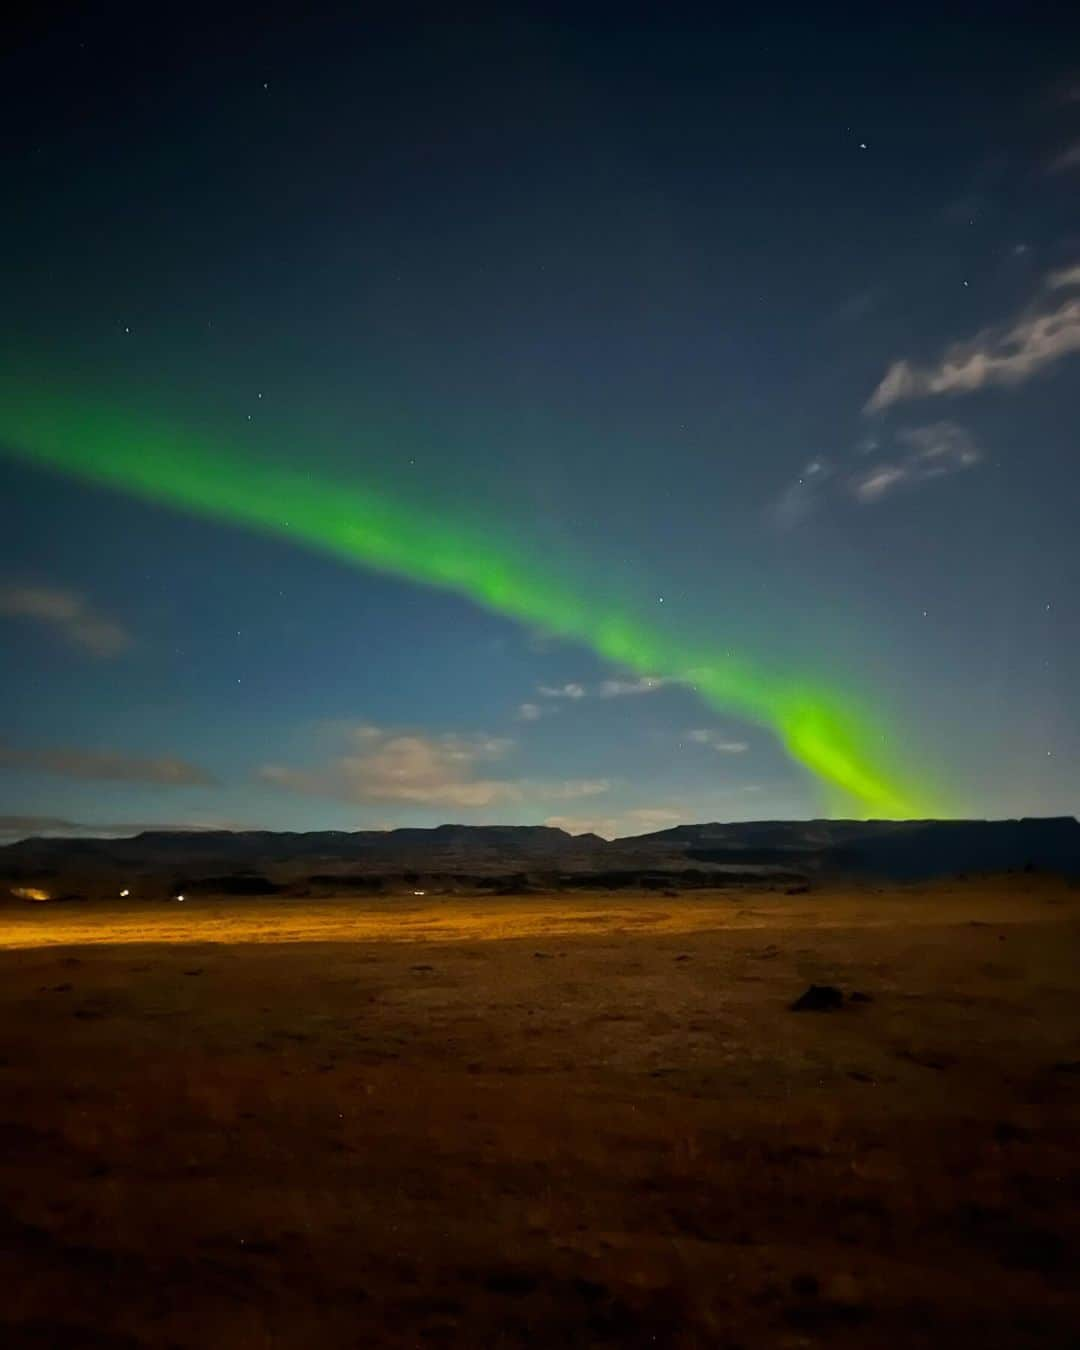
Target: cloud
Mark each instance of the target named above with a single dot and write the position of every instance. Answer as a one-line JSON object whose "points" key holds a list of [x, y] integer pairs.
{"points": [[164, 770], [13, 828], [800, 498], [1065, 160], [618, 688], [385, 765], [529, 712], [994, 356], [562, 691], [69, 614], [1065, 278], [914, 456], [569, 789], [605, 826], [856, 307], [932, 451], [640, 820], [715, 740], [874, 485], [648, 684]]}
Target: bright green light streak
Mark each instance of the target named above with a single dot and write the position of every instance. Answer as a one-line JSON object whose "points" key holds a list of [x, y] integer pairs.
{"points": [[823, 729]]}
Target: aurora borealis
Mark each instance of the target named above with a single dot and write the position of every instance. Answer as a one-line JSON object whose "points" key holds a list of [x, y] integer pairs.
{"points": [[817, 727], [528, 422]]}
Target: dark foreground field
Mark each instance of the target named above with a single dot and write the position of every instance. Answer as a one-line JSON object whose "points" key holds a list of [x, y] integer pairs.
{"points": [[543, 1121]]}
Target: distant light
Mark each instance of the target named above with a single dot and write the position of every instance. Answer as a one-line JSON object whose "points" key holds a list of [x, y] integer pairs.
{"points": [[125, 892], [179, 897], [419, 892], [29, 893]]}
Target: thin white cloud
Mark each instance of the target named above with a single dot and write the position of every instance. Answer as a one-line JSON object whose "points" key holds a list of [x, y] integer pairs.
{"points": [[939, 448], [716, 740], [1065, 278], [529, 712], [995, 356], [382, 765], [932, 451], [573, 691], [1065, 160], [108, 765], [871, 487], [69, 614], [567, 790], [912, 457], [648, 684], [800, 498], [640, 820], [615, 688], [605, 826], [13, 828]]}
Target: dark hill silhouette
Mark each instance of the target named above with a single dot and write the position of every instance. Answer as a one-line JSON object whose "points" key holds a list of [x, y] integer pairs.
{"points": [[899, 850]]}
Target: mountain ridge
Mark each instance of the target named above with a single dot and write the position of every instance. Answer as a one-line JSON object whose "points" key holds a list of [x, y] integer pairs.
{"points": [[908, 849]]}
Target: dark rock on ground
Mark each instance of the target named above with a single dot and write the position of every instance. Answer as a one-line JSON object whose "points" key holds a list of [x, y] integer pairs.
{"points": [[819, 998]]}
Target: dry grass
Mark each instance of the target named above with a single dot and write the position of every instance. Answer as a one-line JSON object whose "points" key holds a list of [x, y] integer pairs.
{"points": [[569, 1121]]}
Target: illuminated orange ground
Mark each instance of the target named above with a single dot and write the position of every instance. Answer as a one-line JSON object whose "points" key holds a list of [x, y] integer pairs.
{"points": [[572, 1121], [490, 919]]}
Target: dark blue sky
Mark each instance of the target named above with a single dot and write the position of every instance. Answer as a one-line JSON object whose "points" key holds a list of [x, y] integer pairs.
{"points": [[778, 319]]}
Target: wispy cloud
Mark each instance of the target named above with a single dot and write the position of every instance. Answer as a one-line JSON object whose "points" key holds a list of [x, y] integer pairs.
{"points": [[716, 740], [13, 828], [1007, 355], [1065, 160], [648, 684], [69, 614], [911, 457], [1065, 278], [382, 765], [66, 762], [615, 688], [640, 820], [932, 451], [573, 691], [801, 497], [878, 481], [529, 712]]}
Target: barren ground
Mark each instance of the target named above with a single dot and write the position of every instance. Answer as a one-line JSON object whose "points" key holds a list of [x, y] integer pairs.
{"points": [[543, 1121]]}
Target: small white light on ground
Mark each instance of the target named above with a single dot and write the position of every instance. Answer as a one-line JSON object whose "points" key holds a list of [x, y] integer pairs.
{"points": [[179, 897], [125, 892], [419, 892]]}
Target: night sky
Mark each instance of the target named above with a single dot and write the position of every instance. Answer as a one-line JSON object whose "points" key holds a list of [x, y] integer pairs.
{"points": [[596, 417]]}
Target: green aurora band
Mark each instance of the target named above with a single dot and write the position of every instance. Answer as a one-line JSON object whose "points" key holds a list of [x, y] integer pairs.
{"points": [[822, 729]]}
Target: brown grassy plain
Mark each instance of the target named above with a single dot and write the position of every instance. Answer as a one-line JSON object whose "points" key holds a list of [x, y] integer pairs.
{"points": [[566, 1120]]}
